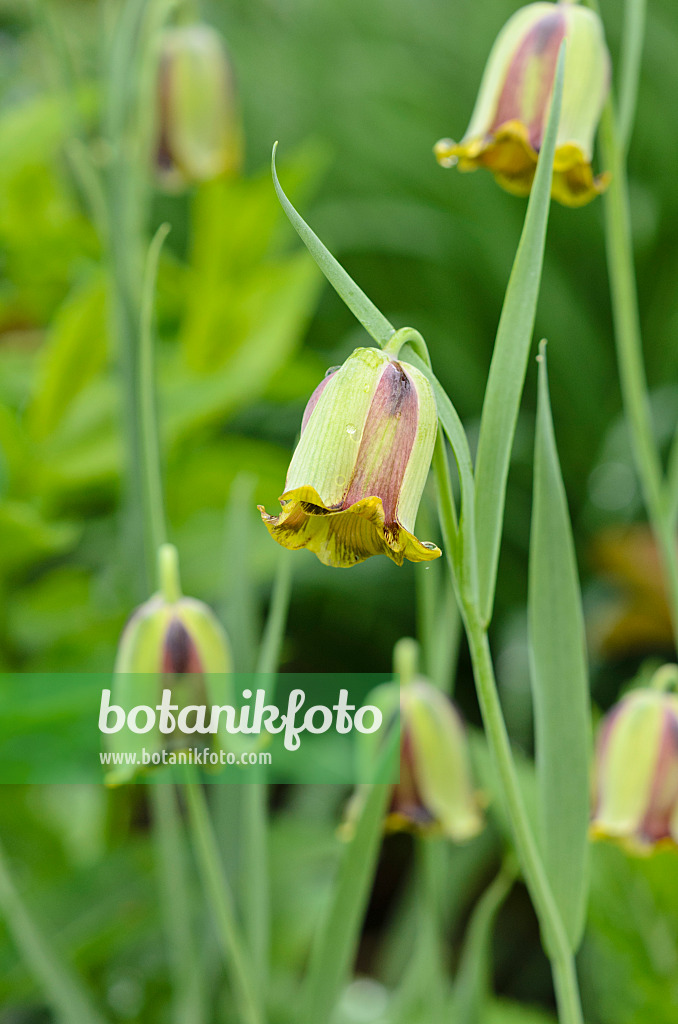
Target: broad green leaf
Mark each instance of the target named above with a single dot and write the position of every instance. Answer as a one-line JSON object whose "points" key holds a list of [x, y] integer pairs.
{"points": [[559, 679], [74, 352], [277, 308], [629, 962], [25, 537], [509, 363]]}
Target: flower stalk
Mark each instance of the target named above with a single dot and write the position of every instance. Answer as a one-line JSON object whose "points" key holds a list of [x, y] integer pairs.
{"points": [[628, 338]]}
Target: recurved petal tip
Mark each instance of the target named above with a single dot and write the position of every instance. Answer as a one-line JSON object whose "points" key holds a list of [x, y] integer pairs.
{"points": [[342, 538]]}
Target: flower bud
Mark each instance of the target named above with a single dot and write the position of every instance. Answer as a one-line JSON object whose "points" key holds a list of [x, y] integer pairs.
{"points": [[199, 129], [169, 642], [435, 794], [509, 120], [636, 770], [355, 481]]}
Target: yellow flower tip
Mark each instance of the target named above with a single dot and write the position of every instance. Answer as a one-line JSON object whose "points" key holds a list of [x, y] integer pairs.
{"points": [[445, 151], [511, 158], [507, 126], [342, 538]]}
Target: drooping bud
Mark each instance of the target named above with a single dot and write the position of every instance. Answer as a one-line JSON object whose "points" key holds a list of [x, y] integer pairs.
{"points": [[356, 477], [169, 642], [199, 128], [508, 123], [636, 769], [435, 793]]}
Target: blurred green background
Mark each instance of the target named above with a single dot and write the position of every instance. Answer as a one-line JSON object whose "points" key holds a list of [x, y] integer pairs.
{"points": [[356, 93]]}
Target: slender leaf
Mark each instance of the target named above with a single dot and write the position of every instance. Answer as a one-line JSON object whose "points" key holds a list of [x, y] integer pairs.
{"points": [[509, 362], [374, 322], [559, 679]]}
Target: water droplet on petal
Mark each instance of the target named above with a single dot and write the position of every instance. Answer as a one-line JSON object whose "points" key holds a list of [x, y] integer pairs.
{"points": [[351, 429], [428, 544], [332, 369], [341, 480]]}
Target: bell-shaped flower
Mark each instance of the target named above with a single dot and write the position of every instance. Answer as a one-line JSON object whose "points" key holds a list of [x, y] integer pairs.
{"points": [[356, 477], [199, 133], [169, 642], [509, 120], [435, 793], [636, 771]]}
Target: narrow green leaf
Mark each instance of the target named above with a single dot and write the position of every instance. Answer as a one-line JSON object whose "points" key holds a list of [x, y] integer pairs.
{"points": [[509, 362], [559, 679], [362, 308], [337, 940]]}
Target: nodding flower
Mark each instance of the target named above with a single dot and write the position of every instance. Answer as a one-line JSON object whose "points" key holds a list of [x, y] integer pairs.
{"points": [[170, 641], [435, 793], [199, 131], [356, 478], [509, 120], [635, 799]]}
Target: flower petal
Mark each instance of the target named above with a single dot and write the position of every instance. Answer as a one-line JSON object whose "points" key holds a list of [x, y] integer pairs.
{"points": [[343, 537]]}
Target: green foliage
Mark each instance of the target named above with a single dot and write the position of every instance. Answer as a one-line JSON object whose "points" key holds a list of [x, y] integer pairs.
{"points": [[560, 682], [244, 335]]}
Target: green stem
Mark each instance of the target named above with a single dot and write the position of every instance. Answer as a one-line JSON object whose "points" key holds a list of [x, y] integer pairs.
{"points": [[630, 356], [274, 630], [222, 907], [154, 513], [177, 907], [631, 56], [62, 988], [555, 938], [553, 931], [256, 897]]}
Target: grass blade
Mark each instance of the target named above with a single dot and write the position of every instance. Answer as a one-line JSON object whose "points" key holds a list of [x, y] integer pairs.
{"points": [[374, 322], [559, 679], [509, 362]]}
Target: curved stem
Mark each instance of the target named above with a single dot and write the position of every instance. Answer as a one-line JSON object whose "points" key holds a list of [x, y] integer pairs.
{"points": [[630, 356]]}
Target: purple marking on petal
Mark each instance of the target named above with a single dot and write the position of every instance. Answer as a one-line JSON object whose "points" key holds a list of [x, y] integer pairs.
{"points": [[538, 53], [380, 466], [179, 653], [314, 399], [656, 823]]}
